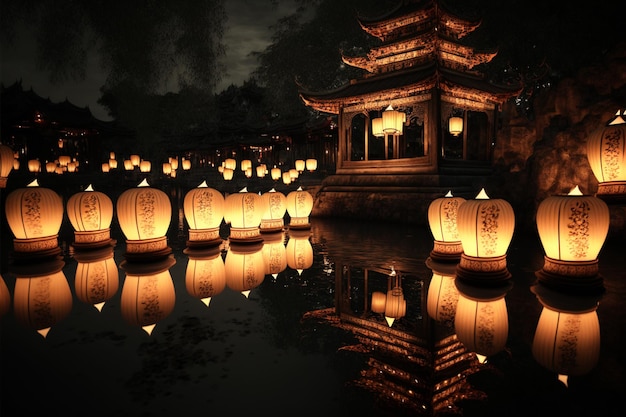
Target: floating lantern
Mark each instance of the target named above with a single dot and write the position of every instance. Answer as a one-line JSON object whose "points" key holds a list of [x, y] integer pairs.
{"points": [[299, 251], [227, 173], [6, 164], [166, 167], [34, 215], [186, 164], [275, 173], [274, 206], [606, 152], [97, 277], [567, 337], [112, 163], [244, 210], [106, 167], [244, 267], [486, 228], [205, 276], [135, 160], [230, 163], [572, 229], [481, 320], [204, 210], [246, 164], [144, 214], [311, 164], [145, 166], [90, 213], [442, 219], [299, 207], [261, 170], [148, 294], [128, 165], [300, 165], [34, 166], [287, 178], [274, 253]]}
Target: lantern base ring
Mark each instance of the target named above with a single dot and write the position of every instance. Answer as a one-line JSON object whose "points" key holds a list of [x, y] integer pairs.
{"points": [[446, 251], [299, 223], [574, 277], [92, 239], [245, 234], [483, 271], [36, 248], [271, 225], [147, 249], [204, 237]]}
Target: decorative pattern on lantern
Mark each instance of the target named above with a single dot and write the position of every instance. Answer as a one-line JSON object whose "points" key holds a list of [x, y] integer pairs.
{"points": [[486, 228], [6, 164], [274, 253], [97, 276], [606, 152], [299, 251], [442, 219], [274, 206], [567, 337], [205, 276], [144, 214], [572, 229], [245, 267], [204, 211], [90, 213], [34, 215], [148, 294], [299, 207], [243, 210], [443, 295], [42, 296], [481, 321]]}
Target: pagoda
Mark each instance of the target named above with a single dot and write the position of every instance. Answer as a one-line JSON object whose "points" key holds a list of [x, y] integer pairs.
{"points": [[419, 122]]}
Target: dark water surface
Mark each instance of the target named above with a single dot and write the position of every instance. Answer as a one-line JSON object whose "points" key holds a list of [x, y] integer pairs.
{"points": [[281, 349]]}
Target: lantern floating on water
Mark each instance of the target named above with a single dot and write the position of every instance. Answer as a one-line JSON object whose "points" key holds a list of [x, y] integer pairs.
{"points": [[243, 210], [442, 219], [486, 228], [144, 214], [606, 153], [97, 276], [34, 215], [204, 210], [274, 207], [572, 229], [299, 207], [90, 213], [205, 276]]}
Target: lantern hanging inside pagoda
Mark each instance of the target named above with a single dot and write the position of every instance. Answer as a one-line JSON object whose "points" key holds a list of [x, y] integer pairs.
{"points": [[567, 337], [606, 152], [90, 213], [205, 276], [204, 211], [144, 214], [572, 229], [377, 127], [455, 125], [442, 219], [393, 121], [6, 164], [34, 215], [244, 211], [486, 228], [299, 207], [274, 207], [97, 276]]}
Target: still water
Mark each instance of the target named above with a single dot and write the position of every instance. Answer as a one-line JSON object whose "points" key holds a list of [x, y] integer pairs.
{"points": [[279, 347]]}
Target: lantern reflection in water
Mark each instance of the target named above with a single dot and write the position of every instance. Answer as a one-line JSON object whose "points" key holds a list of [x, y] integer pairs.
{"points": [[5, 297], [245, 267], [443, 296], [97, 276], [90, 213], [481, 321], [42, 296], [274, 253], [205, 276], [204, 212], [567, 338], [148, 294], [572, 229], [395, 303], [299, 250], [34, 215]]}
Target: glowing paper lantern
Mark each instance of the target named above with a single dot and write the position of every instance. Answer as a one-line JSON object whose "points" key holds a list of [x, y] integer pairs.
{"points": [[275, 173], [128, 165], [455, 125], [572, 229], [34, 165], [227, 173], [393, 121], [442, 219], [379, 302], [287, 177], [144, 214], [606, 152], [148, 294], [246, 164], [244, 210], [230, 163], [34, 215], [90, 213], [145, 166], [274, 253], [135, 160], [299, 251], [274, 206], [6, 164], [300, 165], [486, 228], [377, 127], [106, 167], [244, 267], [299, 207], [261, 170], [311, 164], [481, 321], [204, 211], [42, 296], [97, 277], [186, 164], [205, 276]]}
